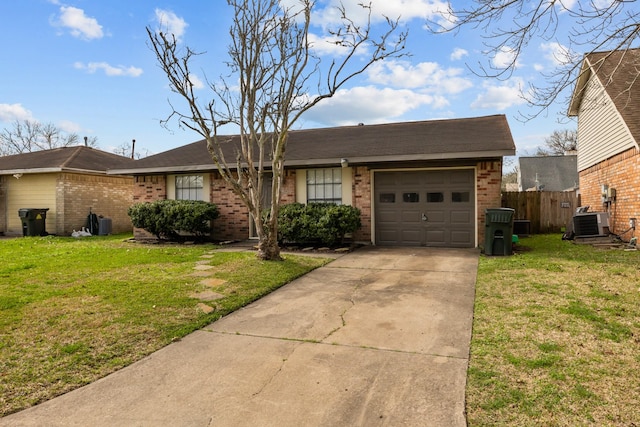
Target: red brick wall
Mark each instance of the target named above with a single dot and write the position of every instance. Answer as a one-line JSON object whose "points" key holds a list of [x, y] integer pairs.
{"points": [[150, 188], [621, 172], [233, 222], [107, 196], [147, 189], [488, 191], [361, 191]]}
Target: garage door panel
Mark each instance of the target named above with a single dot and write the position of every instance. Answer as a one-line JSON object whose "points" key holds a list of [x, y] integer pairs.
{"points": [[436, 217], [460, 237], [460, 217], [410, 216], [437, 236], [445, 196], [388, 216], [412, 237], [435, 179], [460, 177]]}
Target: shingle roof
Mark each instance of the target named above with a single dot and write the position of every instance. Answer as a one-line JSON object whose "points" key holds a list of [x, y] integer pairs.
{"points": [[554, 173], [618, 72], [479, 137], [79, 158]]}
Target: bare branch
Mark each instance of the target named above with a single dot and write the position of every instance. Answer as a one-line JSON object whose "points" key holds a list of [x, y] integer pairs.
{"points": [[510, 26], [271, 65]]}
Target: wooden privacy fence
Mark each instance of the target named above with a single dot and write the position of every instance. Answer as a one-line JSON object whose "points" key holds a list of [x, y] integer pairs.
{"points": [[548, 211]]}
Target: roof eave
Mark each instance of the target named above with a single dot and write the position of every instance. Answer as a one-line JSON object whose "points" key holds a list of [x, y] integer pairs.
{"points": [[32, 171], [328, 161], [578, 91], [29, 171]]}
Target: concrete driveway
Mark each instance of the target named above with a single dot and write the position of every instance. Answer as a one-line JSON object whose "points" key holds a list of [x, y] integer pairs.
{"points": [[379, 337]]}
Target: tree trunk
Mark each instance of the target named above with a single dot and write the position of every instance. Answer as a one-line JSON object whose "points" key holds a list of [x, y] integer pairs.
{"points": [[268, 249]]}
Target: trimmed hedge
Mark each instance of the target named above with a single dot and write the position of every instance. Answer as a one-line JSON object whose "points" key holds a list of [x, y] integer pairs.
{"points": [[323, 223], [166, 219]]}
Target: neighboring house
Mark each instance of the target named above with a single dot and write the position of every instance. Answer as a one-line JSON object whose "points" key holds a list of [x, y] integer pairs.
{"points": [[423, 183], [606, 100], [69, 182], [548, 173]]}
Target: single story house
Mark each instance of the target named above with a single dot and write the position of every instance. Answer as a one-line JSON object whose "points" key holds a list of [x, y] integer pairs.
{"points": [[548, 173], [69, 182], [423, 183], [606, 100]]}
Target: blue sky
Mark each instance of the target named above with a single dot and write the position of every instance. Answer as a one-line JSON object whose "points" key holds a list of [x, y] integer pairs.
{"points": [[86, 66]]}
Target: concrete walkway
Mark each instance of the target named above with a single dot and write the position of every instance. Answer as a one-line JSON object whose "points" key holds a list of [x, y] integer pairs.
{"points": [[379, 337]]}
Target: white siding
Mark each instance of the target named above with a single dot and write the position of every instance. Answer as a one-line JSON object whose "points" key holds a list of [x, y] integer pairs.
{"points": [[602, 132], [31, 191]]}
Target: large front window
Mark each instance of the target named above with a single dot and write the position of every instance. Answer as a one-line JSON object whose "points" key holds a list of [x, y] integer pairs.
{"points": [[189, 187], [324, 185]]}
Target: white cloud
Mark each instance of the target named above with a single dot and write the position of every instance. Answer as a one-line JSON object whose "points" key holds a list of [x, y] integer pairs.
{"points": [[458, 53], [427, 76], [195, 80], [79, 24], [368, 104], [504, 58], [12, 112], [326, 46], [69, 126], [170, 23], [500, 96], [406, 10], [557, 54], [109, 70]]}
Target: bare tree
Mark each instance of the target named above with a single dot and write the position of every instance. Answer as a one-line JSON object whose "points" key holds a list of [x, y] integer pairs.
{"points": [[272, 64], [559, 143], [576, 28], [28, 135], [129, 149]]}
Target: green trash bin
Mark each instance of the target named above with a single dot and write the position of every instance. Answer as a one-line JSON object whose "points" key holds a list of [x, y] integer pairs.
{"points": [[33, 221], [498, 233]]}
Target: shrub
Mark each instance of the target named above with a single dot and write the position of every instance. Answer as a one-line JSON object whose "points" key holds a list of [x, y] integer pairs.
{"points": [[323, 223], [166, 219]]}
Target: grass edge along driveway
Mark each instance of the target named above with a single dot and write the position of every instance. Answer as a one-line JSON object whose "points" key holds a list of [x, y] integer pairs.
{"points": [[556, 337], [75, 310]]}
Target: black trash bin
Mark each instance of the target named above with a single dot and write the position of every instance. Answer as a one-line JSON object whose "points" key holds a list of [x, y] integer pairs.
{"points": [[498, 231], [33, 221]]}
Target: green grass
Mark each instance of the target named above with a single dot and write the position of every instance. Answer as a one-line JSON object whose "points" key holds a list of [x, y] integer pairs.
{"points": [[556, 337], [75, 310]]}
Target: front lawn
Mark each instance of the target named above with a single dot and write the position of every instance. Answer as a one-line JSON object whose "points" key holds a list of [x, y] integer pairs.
{"points": [[74, 310], [556, 337]]}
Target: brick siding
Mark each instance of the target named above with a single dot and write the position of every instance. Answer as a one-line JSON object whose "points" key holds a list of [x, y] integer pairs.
{"points": [[361, 191], [107, 196], [488, 191], [622, 173], [148, 188]]}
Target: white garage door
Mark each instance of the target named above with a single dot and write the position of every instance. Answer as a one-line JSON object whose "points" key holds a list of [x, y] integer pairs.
{"points": [[425, 208]]}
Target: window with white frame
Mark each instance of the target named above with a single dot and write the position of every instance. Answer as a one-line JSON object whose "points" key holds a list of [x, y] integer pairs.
{"points": [[189, 187], [324, 185]]}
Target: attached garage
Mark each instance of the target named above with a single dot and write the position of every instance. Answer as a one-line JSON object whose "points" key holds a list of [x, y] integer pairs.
{"points": [[425, 208]]}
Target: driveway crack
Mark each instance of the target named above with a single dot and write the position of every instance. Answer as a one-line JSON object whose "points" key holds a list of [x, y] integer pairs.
{"points": [[275, 374], [352, 300]]}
